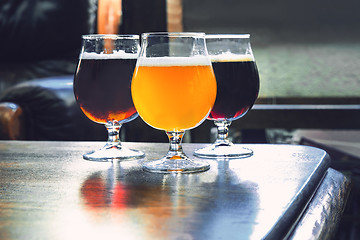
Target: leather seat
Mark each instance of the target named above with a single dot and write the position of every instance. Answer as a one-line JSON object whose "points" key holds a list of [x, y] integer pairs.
{"points": [[46, 110]]}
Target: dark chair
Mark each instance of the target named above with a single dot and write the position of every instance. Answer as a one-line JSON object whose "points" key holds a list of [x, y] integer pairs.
{"points": [[45, 109]]}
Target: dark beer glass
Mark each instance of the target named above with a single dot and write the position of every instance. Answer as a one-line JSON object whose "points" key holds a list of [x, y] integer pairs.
{"points": [[102, 89], [237, 89]]}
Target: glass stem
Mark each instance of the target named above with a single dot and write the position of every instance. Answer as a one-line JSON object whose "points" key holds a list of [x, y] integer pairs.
{"points": [[175, 148], [113, 128], [223, 132]]}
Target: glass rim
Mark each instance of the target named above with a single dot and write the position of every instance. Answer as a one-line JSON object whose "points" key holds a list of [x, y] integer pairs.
{"points": [[227, 35], [174, 34], [110, 36]]}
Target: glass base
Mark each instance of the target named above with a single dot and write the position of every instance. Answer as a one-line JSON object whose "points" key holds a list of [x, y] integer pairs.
{"points": [[223, 151], [176, 165], [110, 153]]}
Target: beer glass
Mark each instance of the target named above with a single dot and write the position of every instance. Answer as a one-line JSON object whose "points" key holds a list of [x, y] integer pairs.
{"points": [[174, 89], [102, 89], [237, 89]]}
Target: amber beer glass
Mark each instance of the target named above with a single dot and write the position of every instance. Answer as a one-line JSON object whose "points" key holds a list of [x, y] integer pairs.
{"points": [[102, 89], [174, 89], [237, 89]]}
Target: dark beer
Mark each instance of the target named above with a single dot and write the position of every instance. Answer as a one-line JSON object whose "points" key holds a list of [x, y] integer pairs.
{"points": [[237, 88], [102, 87]]}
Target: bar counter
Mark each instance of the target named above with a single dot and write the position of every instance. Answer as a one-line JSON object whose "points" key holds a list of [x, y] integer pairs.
{"points": [[47, 191]]}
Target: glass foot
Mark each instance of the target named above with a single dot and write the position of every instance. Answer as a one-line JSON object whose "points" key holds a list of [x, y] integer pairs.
{"points": [[109, 153], [175, 161], [175, 165], [223, 151]]}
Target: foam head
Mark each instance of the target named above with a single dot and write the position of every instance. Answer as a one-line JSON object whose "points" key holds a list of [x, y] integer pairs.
{"points": [[115, 55]]}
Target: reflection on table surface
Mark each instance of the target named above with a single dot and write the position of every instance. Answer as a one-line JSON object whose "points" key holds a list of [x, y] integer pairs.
{"points": [[176, 206], [49, 191]]}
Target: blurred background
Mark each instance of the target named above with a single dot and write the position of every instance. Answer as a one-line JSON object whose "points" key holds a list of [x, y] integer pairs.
{"points": [[307, 52], [303, 48]]}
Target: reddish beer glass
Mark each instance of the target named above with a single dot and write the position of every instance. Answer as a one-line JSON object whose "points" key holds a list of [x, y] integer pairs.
{"points": [[237, 89], [102, 89]]}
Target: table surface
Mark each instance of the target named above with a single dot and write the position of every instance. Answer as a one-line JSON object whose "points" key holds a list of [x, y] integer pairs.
{"points": [[47, 191]]}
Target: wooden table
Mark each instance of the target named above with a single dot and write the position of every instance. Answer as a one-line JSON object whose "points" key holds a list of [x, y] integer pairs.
{"points": [[47, 191]]}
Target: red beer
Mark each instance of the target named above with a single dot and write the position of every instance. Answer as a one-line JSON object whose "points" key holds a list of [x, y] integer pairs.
{"points": [[102, 87]]}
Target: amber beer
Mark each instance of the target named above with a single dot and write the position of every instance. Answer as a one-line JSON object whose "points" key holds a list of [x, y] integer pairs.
{"points": [[238, 86], [174, 93], [102, 86]]}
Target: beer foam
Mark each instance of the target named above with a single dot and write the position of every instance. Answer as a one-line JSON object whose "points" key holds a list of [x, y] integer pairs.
{"points": [[115, 55], [174, 61], [231, 57]]}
